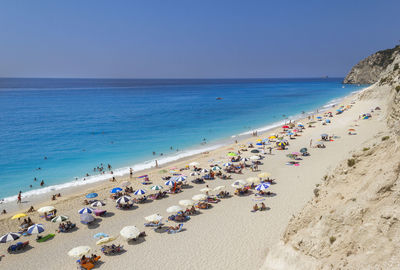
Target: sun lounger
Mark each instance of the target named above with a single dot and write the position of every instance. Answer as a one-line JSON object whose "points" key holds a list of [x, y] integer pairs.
{"points": [[41, 239], [170, 231]]}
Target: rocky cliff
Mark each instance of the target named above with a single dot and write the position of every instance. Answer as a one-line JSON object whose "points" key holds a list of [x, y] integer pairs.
{"points": [[353, 222], [370, 69]]}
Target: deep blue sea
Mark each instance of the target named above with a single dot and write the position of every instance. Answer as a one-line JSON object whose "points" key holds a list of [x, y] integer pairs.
{"points": [[79, 123]]}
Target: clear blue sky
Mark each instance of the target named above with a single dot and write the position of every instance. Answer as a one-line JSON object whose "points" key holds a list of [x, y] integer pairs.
{"points": [[192, 39]]}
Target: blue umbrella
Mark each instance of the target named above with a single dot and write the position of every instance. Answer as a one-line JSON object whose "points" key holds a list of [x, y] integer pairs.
{"points": [[290, 133], [319, 117], [35, 229], [9, 237], [327, 121], [85, 210], [92, 195], [123, 200], [262, 186], [139, 192], [169, 183], [115, 190], [100, 235]]}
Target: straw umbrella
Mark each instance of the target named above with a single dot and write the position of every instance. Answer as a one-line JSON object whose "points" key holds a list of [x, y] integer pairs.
{"points": [[219, 188], [199, 197], [174, 209], [130, 232], [46, 209], [186, 203], [253, 180], [205, 190], [78, 252], [154, 218], [264, 175]]}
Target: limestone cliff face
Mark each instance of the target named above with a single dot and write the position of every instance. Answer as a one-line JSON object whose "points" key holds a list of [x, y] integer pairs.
{"points": [[370, 69], [354, 220]]}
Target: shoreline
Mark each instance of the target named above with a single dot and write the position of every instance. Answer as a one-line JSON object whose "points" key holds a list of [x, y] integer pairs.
{"points": [[73, 188], [221, 232], [38, 196]]}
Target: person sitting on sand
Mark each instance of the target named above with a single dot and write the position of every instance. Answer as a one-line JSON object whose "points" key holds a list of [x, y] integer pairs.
{"points": [[53, 198], [255, 208], [31, 209], [263, 207], [4, 212]]}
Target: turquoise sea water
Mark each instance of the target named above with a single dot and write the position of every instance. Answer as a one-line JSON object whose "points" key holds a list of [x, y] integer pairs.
{"points": [[78, 124]]}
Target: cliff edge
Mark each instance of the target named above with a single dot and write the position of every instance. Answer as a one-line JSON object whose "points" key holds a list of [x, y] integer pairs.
{"points": [[370, 69], [353, 222]]}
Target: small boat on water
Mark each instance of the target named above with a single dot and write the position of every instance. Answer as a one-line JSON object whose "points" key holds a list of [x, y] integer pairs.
{"points": [[219, 98]]}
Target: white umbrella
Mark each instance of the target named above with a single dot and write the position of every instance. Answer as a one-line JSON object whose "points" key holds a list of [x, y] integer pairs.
{"points": [[35, 229], [9, 237], [219, 188], [105, 240], [186, 203], [156, 187], [170, 183], [154, 218], [87, 218], [255, 157], [239, 184], [123, 200], [79, 251], [204, 171], [199, 197], [125, 184], [59, 219], [46, 209], [205, 190], [174, 209], [130, 232], [194, 163], [253, 180], [97, 204]]}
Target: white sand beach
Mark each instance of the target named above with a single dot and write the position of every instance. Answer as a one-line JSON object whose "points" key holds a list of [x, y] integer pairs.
{"points": [[226, 236]]}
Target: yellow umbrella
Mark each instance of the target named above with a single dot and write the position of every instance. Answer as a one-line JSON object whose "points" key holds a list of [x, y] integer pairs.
{"points": [[272, 137], [264, 175], [20, 215], [258, 140]]}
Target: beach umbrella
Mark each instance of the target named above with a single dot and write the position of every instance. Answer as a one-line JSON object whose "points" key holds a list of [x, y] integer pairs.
{"points": [[303, 150], [9, 237], [123, 200], [255, 158], [245, 159], [255, 151], [156, 187], [85, 210], [170, 183], [324, 135], [194, 163], [199, 197], [216, 168], [59, 219], [105, 240], [290, 133], [205, 190], [272, 137], [262, 186], [219, 188], [116, 190], [125, 184], [100, 235], [227, 164], [92, 195], [78, 252], [129, 232], [204, 171], [194, 174], [327, 121], [35, 229], [259, 143], [281, 144], [179, 178], [319, 117], [139, 192], [285, 126], [46, 209], [154, 218], [352, 129], [186, 203], [86, 217], [232, 154], [239, 184], [97, 204], [300, 125], [174, 209], [20, 215], [253, 180], [296, 153], [264, 175]]}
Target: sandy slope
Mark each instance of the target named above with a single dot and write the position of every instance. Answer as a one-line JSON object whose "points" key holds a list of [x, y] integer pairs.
{"points": [[226, 236]]}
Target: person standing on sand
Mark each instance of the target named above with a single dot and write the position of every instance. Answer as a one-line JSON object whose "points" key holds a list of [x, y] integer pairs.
{"points": [[310, 142], [156, 163], [19, 197]]}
